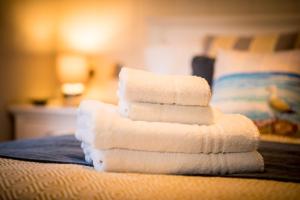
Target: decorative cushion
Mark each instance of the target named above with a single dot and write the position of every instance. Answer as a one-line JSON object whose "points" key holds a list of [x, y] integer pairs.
{"points": [[203, 66], [264, 43], [264, 87]]}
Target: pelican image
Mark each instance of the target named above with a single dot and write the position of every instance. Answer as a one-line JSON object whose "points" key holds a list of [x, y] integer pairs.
{"points": [[280, 106], [276, 103]]}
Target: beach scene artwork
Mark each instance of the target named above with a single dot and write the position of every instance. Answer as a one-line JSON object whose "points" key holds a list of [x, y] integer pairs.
{"points": [[270, 99]]}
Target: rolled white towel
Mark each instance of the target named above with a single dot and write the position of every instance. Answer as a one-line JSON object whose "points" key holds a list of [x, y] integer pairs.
{"points": [[101, 126], [117, 160], [141, 86], [154, 112]]}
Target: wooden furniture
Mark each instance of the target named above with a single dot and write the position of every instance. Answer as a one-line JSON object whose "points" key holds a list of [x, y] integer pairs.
{"points": [[38, 121]]}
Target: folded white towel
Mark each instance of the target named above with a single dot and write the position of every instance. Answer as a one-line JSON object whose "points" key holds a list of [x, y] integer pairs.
{"points": [[141, 86], [154, 112], [117, 160], [101, 126]]}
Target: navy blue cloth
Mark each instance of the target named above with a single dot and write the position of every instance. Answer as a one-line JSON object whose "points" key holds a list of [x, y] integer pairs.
{"points": [[56, 149], [203, 66], [282, 161]]}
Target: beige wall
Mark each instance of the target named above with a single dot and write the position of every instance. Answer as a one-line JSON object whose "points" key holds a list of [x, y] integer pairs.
{"points": [[33, 32]]}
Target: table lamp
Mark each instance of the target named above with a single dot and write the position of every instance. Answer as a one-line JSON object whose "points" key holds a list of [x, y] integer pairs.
{"points": [[72, 72]]}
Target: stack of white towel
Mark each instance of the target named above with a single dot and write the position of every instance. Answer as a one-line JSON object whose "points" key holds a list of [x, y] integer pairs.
{"points": [[164, 124]]}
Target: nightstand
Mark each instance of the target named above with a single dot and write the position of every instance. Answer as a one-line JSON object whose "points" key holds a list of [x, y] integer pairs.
{"points": [[38, 121]]}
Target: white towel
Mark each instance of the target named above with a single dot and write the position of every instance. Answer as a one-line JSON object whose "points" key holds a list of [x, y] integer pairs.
{"points": [[101, 126], [154, 112], [141, 86], [117, 160], [87, 150]]}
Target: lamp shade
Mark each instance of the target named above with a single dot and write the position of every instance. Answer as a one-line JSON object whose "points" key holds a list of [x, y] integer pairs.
{"points": [[72, 69]]}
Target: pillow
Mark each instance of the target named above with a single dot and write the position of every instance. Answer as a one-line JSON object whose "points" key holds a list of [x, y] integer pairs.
{"points": [[203, 66], [264, 87], [263, 43]]}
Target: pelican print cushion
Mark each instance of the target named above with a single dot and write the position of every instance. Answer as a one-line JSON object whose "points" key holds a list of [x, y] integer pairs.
{"points": [[264, 87]]}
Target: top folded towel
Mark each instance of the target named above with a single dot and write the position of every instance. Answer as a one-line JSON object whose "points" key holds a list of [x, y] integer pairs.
{"points": [[141, 86]]}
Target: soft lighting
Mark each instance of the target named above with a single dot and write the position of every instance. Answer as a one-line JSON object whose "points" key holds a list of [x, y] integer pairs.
{"points": [[72, 69], [72, 72], [72, 89], [87, 32], [85, 37]]}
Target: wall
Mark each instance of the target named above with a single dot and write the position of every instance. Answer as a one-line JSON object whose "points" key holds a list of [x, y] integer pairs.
{"points": [[33, 32]]}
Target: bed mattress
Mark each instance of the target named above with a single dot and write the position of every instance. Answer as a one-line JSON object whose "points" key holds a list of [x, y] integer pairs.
{"points": [[54, 168]]}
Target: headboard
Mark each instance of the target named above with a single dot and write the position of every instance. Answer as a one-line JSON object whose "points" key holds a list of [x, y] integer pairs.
{"points": [[173, 41]]}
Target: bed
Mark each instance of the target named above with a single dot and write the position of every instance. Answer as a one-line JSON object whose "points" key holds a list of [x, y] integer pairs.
{"points": [[54, 168]]}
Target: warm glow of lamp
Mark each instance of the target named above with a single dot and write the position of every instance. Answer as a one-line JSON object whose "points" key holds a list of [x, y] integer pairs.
{"points": [[90, 30], [72, 88], [72, 72]]}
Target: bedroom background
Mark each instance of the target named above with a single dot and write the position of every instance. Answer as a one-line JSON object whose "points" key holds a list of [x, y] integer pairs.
{"points": [[161, 36]]}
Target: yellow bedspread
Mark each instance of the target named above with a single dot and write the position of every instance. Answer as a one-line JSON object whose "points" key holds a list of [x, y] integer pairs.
{"points": [[31, 180]]}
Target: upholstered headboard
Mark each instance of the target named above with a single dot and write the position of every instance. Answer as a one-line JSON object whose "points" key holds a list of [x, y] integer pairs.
{"points": [[173, 42]]}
